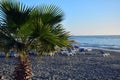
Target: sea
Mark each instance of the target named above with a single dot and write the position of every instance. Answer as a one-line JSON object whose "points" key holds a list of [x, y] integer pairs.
{"points": [[111, 42]]}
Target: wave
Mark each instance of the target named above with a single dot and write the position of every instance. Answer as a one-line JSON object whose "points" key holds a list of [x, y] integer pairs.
{"points": [[113, 47]]}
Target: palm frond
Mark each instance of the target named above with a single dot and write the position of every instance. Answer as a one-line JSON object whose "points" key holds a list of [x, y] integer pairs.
{"points": [[14, 14], [49, 14]]}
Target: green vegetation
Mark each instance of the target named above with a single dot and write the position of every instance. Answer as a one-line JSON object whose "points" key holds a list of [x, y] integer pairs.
{"points": [[26, 27]]}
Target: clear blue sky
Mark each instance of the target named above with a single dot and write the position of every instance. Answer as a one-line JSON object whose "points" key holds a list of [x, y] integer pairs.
{"points": [[87, 17]]}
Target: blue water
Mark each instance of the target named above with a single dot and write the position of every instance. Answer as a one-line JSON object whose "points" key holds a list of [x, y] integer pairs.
{"points": [[105, 42]]}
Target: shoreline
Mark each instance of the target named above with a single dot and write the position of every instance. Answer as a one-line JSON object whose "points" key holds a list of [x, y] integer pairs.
{"points": [[105, 49], [108, 50]]}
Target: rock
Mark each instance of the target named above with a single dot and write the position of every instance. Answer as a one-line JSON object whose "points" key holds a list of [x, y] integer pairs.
{"points": [[3, 78], [76, 67]]}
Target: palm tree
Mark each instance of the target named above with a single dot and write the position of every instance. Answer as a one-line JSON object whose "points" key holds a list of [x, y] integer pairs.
{"points": [[24, 27]]}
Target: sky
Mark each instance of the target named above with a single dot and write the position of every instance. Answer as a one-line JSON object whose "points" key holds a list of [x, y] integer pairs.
{"points": [[87, 17]]}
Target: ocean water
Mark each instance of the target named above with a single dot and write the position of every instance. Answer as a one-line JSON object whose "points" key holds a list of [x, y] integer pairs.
{"points": [[105, 42]]}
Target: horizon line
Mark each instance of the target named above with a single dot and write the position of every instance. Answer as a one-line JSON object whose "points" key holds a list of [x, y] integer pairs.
{"points": [[96, 35]]}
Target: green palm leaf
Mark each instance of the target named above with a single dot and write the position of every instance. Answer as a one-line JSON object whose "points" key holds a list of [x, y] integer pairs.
{"points": [[49, 14], [39, 26], [14, 14]]}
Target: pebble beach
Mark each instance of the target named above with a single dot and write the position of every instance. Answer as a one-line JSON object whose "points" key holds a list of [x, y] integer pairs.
{"points": [[89, 66]]}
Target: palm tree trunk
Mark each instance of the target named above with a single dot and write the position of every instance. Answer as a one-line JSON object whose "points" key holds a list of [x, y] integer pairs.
{"points": [[23, 71]]}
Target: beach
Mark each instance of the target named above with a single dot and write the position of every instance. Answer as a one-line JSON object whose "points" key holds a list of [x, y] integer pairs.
{"points": [[77, 40], [91, 65]]}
